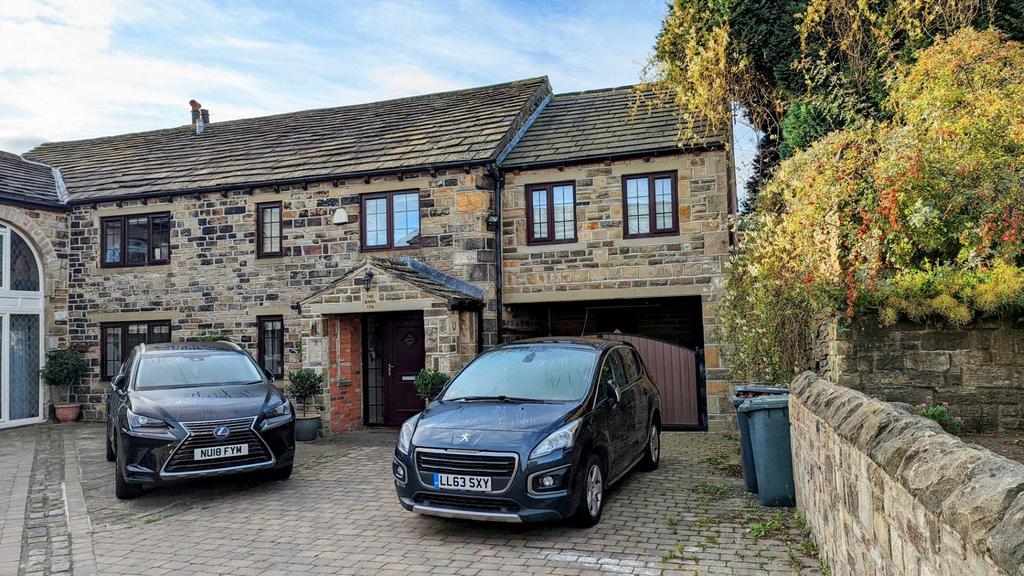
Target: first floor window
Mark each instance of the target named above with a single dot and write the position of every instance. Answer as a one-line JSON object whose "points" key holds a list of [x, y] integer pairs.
{"points": [[118, 338], [135, 240], [268, 229], [650, 204], [391, 220], [271, 344], [551, 213]]}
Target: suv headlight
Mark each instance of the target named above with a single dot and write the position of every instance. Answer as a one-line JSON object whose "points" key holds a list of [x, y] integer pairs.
{"points": [[405, 436], [146, 423], [560, 439], [282, 409]]}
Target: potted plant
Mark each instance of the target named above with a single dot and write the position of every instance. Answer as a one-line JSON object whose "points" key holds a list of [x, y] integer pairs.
{"points": [[429, 383], [64, 367], [302, 385]]}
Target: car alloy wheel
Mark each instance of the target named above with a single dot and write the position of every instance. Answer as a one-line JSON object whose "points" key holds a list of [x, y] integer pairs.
{"points": [[595, 490], [654, 444]]}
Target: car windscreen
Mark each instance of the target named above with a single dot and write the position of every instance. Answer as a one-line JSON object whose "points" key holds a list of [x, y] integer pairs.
{"points": [[540, 372], [195, 369]]}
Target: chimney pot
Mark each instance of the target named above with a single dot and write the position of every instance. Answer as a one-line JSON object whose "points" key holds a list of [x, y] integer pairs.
{"points": [[200, 116]]}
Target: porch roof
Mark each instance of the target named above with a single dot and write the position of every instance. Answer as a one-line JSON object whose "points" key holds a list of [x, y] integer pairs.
{"points": [[456, 293]]}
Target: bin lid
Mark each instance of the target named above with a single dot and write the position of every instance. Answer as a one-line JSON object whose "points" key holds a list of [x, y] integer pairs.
{"points": [[765, 403], [761, 389]]}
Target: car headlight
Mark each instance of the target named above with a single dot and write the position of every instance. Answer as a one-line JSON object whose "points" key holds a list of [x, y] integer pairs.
{"points": [[282, 409], [560, 439], [405, 436], [138, 421]]}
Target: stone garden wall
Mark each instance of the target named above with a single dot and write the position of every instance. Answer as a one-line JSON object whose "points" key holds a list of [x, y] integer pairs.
{"points": [[978, 369], [889, 493]]}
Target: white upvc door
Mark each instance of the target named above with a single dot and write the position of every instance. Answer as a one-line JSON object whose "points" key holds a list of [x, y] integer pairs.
{"points": [[21, 331]]}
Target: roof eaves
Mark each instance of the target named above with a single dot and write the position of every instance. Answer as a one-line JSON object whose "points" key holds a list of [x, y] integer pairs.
{"points": [[661, 151]]}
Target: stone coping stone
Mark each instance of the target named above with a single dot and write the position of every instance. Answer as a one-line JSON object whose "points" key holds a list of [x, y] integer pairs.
{"points": [[977, 493]]}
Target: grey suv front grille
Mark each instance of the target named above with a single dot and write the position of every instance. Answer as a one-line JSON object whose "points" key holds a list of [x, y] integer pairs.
{"points": [[201, 436]]}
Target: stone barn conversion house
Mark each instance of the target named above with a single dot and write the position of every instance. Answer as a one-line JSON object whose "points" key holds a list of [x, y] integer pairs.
{"points": [[373, 240]]}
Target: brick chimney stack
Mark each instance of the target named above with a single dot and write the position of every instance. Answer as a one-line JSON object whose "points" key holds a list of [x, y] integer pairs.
{"points": [[200, 116]]}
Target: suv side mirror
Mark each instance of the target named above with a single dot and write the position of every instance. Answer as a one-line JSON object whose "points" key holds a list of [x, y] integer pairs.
{"points": [[119, 383], [613, 392], [270, 375]]}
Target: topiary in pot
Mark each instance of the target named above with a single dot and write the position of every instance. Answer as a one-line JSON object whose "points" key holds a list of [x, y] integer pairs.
{"points": [[429, 383], [64, 367], [302, 385]]}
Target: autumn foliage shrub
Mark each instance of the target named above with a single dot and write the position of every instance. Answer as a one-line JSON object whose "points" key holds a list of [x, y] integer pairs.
{"points": [[919, 217]]}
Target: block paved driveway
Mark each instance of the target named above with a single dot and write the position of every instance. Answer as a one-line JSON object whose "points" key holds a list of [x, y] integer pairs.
{"points": [[338, 515]]}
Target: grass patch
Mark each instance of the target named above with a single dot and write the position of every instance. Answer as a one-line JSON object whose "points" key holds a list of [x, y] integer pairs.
{"points": [[713, 491], [673, 523]]}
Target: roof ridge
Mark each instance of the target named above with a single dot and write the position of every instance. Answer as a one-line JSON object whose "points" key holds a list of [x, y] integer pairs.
{"points": [[597, 90], [374, 103]]}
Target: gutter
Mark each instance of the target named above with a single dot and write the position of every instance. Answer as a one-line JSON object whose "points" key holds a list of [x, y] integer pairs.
{"points": [[615, 156], [34, 204]]}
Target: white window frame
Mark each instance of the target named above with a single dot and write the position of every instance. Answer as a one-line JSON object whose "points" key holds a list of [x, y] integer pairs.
{"points": [[18, 302]]}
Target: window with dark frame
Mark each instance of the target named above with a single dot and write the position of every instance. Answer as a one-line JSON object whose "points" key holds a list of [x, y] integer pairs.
{"points": [[118, 338], [268, 230], [390, 220], [650, 205], [551, 213], [136, 240], [270, 341]]}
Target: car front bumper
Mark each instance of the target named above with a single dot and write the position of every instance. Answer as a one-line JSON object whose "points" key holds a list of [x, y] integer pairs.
{"points": [[511, 502], [145, 457]]}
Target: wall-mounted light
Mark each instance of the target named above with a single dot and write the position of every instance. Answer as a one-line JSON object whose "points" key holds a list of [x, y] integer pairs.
{"points": [[492, 219], [367, 279], [340, 216]]}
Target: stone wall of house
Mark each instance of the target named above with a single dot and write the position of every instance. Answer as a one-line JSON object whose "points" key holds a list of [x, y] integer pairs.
{"points": [[889, 493], [603, 265], [978, 370], [47, 231], [215, 284]]}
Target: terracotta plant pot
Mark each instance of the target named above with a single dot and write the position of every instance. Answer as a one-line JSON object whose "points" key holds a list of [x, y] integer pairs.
{"points": [[67, 412], [307, 427]]}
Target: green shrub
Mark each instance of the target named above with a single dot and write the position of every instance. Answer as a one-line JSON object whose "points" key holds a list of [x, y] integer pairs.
{"points": [[940, 413], [918, 216], [429, 383], [304, 384], [63, 368]]}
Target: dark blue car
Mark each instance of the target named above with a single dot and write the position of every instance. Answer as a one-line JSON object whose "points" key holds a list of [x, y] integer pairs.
{"points": [[531, 431]]}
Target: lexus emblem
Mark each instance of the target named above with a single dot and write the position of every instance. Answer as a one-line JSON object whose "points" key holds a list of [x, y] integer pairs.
{"points": [[221, 432], [463, 438]]}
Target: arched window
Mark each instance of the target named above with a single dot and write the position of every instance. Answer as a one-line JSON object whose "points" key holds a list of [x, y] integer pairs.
{"points": [[21, 329]]}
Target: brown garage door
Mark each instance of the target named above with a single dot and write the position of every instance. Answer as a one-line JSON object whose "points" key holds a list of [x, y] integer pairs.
{"points": [[677, 372]]}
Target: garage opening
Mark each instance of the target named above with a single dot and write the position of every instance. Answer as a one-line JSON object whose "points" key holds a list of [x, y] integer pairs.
{"points": [[668, 333]]}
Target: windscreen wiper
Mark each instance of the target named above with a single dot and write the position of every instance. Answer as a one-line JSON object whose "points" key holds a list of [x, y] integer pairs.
{"points": [[501, 398]]}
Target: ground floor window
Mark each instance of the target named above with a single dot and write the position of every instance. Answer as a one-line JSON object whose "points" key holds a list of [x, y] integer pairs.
{"points": [[271, 344], [118, 338]]}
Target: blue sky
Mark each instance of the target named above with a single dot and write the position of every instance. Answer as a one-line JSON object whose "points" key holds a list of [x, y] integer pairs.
{"points": [[82, 68]]}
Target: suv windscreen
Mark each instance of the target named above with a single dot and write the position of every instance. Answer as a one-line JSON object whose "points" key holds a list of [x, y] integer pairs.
{"points": [[192, 369], [539, 372]]}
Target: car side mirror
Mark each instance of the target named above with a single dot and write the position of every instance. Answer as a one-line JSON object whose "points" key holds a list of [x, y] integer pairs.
{"points": [[119, 383], [613, 392], [270, 375]]}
